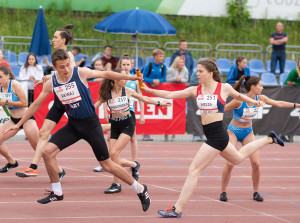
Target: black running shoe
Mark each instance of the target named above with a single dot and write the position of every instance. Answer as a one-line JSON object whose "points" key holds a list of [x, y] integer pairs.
{"points": [[61, 175], [135, 171], [8, 166], [114, 188], [171, 213], [276, 138], [50, 197], [257, 197], [223, 196], [144, 198]]}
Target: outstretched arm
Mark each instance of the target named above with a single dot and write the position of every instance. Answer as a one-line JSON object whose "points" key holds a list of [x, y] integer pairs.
{"points": [[147, 99], [279, 104], [232, 105], [186, 93]]}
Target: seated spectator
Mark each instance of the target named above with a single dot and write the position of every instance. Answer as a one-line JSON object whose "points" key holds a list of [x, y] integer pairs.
{"points": [[133, 70], [98, 65], [109, 62], [294, 76], [3, 62], [178, 72], [238, 70], [75, 51], [31, 71], [155, 72]]}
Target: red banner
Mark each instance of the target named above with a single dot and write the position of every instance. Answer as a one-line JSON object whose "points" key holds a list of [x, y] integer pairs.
{"points": [[158, 120]]}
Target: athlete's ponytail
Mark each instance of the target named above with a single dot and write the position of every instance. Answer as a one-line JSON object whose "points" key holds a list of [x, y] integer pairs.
{"points": [[7, 71], [249, 81], [105, 90], [66, 34], [237, 86]]}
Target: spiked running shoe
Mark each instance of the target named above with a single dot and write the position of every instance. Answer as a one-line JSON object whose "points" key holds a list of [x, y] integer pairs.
{"points": [[27, 172], [144, 198], [135, 171], [170, 213], [50, 197], [114, 188], [257, 197], [223, 197], [276, 138], [8, 166], [61, 175]]}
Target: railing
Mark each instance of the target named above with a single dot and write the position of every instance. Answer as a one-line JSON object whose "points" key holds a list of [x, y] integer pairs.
{"points": [[232, 51], [292, 52]]}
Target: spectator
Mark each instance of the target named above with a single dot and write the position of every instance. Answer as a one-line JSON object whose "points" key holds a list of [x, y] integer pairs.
{"points": [[109, 62], [98, 65], [294, 76], [278, 40], [178, 72], [155, 72], [3, 62], [238, 70], [75, 51], [188, 58], [133, 70], [31, 71]]}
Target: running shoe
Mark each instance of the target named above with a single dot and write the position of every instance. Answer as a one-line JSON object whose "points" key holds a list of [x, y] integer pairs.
{"points": [[98, 169], [114, 188], [8, 166], [257, 197], [144, 198], [51, 197], [223, 196], [276, 138], [135, 171], [61, 175], [27, 172], [170, 213]]}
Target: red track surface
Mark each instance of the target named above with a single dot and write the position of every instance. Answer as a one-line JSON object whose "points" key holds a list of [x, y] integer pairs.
{"points": [[163, 168]]}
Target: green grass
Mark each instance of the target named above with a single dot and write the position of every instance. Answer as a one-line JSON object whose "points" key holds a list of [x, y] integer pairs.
{"points": [[195, 29]]}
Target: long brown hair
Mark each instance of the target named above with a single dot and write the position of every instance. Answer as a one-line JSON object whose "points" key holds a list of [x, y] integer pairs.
{"points": [[26, 65], [66, 34], [249, 81], [211, 66], [7, 71]]}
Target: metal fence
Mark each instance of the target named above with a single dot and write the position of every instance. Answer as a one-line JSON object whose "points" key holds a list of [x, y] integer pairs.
{"points": [[232, 51], [292, 52], [145, 48], [198, 50]]}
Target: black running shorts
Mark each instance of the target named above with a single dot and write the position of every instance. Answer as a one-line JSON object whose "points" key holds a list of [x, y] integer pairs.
{"points": [[121, 125], [16, 120], [88, 129], [133, 117], [216, 134], [56, 111]]}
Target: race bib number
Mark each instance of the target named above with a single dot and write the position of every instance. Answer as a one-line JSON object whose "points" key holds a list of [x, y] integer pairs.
{"points": [[6, 96], [207, 103], [249, 114], [68, 93]]}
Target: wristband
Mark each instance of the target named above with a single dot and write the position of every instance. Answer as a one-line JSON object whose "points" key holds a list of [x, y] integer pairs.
{"points": [[294, 105], [6, 103], [158, 103]]}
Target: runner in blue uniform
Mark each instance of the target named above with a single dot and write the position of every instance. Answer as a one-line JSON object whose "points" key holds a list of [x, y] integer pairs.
{"points": [[69, 85], [240, 128]]}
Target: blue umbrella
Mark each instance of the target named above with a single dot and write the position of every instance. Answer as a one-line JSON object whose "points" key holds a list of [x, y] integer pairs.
{"points": [[134, 22], [40, 43]]}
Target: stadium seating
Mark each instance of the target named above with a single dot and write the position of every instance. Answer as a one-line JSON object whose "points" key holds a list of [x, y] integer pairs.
{"points": [[12, 58], [22, 57], [254, 74], [223, 65], [277, 70], [289, 65], [268, 79], [257, 66], [283, 77], [15, 70], [148, 60], [87, 59], [96, 56], [167, 61]]}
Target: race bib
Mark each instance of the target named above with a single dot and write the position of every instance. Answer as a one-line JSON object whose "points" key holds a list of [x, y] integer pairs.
{"points": [[207, 103], [68, 93], [6, 96], [249, 114]]}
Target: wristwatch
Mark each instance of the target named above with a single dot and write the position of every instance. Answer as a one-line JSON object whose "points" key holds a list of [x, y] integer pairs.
{"points": [[158, 103], [6, 103]]}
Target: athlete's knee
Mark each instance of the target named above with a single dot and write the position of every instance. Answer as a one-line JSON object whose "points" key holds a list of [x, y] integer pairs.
{"points": [[107, 165], [255, 165], [44, 134], [48, 153], [229, 166], [194, 171], [114, 154]]}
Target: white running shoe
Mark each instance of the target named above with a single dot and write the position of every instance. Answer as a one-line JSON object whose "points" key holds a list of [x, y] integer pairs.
{"points": [[98, 169]]}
